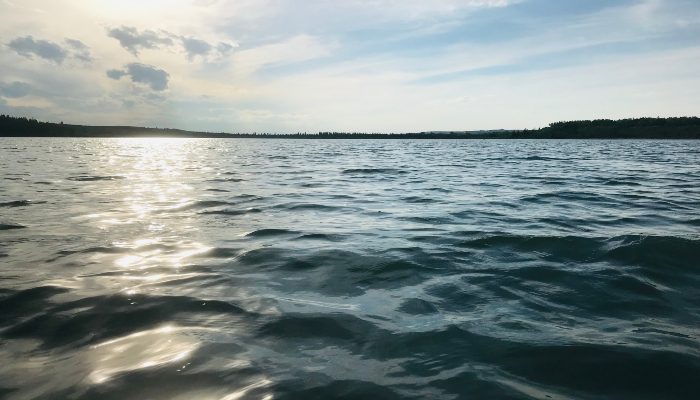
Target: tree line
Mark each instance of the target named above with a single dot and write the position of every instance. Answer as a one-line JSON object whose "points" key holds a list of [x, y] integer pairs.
{"points": [[641, 128]]}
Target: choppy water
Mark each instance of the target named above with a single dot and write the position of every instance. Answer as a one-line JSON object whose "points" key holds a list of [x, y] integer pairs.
{"points": [[236, 269]]}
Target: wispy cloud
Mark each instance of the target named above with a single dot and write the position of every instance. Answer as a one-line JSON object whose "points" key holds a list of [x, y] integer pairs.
{"points": [[293, 50], [285, 65], [14, 89]]}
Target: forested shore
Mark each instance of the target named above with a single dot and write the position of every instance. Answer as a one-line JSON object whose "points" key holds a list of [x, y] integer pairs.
{"points": [[638, 128]]}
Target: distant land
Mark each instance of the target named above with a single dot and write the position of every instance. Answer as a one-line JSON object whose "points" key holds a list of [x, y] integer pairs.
{"points": [[637, 128]]}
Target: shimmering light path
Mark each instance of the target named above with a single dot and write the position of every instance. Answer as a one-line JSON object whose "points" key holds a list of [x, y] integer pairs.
{"points": [[237, 269]]}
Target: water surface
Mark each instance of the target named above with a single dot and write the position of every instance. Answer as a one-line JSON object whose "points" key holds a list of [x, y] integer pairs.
{"points": [[276, 269]]}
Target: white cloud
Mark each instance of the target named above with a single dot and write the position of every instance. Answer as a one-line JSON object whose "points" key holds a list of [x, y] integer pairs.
{"points": [[329, 65], [419, 9], [295, 49]]}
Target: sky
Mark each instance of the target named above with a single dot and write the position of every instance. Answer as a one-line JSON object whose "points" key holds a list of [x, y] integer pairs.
{"points": [[348, 65]]}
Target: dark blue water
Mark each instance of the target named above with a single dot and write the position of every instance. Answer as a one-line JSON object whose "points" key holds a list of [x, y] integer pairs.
{"points": [[263, 269]]}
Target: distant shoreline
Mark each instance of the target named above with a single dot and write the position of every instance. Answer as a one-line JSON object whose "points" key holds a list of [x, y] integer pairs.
{"points": [[639, 128]]}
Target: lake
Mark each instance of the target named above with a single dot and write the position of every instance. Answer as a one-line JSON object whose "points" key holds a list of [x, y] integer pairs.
{"points": [[312, 269]]}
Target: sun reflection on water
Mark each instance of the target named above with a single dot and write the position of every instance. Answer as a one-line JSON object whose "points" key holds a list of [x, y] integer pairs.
{"points": [[152, 348], [153, 249], [154, 254], [156, 184]]}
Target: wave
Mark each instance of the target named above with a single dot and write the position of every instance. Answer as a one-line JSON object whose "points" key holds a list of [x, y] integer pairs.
{"points": [[9, 226], [539, 158], [620, 182], [339, 326], [585, 247], [96, 250], [436, 220], [322, 236], [419, 200], [219, 252], [202, 204], [271, 232], [416, 306], [20, 203], [294, 206], [93, 178], [234, 201], [371, 171], [495, 277], [311, 185], [588, 197], [655, 252], [341, 388], [19, 304], [232, 212], [220, 180], [439, 189], [99, 318]]}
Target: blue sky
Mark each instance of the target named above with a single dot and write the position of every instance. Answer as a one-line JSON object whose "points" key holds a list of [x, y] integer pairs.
{"points": [[354, 65]]}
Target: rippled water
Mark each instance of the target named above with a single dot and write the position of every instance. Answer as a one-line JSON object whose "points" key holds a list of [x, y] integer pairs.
{"points": [[236, 269]]}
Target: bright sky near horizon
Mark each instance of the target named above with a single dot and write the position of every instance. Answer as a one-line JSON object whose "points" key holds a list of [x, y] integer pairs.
{"points": [[353, 65]]}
